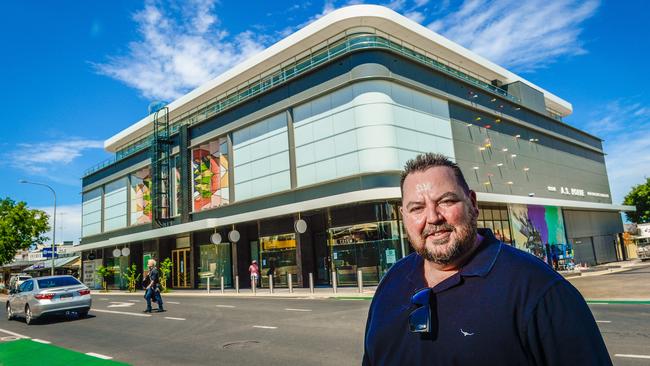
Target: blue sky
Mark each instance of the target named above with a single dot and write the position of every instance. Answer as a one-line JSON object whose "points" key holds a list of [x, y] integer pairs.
{"points": [[74, 73]]}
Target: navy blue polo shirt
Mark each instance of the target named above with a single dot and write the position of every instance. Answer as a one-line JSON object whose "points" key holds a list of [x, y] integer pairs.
{"points": [[504, 307]]}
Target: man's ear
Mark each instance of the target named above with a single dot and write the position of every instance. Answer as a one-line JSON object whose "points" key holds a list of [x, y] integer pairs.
{"points": [[472, 197]]}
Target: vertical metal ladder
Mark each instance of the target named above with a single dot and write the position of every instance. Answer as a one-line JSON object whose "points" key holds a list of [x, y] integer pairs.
{"points": [[160, 168]]}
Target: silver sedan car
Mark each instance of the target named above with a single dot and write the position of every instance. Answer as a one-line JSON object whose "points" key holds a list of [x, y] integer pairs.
{"points": [[37, 297]]}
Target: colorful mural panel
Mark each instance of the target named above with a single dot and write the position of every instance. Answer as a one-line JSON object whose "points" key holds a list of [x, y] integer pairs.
{"points": [[141, 206], [539, 230], [210, 175]]}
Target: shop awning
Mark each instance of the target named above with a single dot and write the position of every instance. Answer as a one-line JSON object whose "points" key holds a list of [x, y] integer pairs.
{"points": [[58, 263], [18, 264]]}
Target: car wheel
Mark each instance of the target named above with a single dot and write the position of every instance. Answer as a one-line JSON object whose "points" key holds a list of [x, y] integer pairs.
{"points": [[29, 319], [10, 314]]}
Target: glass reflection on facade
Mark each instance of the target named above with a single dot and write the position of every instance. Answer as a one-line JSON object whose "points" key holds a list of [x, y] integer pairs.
{"points": [[215, 259], [175, 198], [371, 248], [141, 209], [210, 164], [495, 219], [278, 257]]}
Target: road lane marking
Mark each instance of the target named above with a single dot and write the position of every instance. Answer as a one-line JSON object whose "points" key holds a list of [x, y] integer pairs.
{"points": [[264, 327], [225, 306], [603, 321], [102, 299], [119, 304], [120, 312], [41, 341], [632, 356], [172, 302], [172, 318], [103, 357], [289, 309], [14, 334], [134, 300]]}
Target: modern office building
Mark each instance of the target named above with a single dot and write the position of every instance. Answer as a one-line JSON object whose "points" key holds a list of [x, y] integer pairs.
{"points": [[293, 157]]}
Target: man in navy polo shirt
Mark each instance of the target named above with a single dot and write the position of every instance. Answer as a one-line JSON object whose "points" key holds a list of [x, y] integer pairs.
{"points": [[464, 297]]}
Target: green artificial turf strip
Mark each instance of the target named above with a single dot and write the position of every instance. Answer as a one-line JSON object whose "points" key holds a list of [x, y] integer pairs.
{"points": [[27, 352]]}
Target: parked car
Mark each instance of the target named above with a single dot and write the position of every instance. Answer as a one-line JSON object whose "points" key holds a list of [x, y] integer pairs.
{"points": [[41, 296], [17, 279]]}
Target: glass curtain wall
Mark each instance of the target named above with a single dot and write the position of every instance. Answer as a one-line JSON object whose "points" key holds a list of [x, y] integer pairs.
{"points": [[115, 205], [215, 259], [210, 164], [278, 257], [91, 212], [371, 248]]}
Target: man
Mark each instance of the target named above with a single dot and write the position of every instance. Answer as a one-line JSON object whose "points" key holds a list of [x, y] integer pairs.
{"points": [[153, 287], [465, 298]]}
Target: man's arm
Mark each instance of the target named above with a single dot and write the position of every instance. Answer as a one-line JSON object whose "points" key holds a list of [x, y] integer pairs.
{"points": [[562, 331]]}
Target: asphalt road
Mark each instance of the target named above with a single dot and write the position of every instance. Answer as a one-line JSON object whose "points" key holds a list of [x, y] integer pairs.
{"points": [[250, 331]]}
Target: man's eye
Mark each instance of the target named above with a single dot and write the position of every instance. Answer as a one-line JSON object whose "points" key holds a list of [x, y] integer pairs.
{"points": [[415, 209]]}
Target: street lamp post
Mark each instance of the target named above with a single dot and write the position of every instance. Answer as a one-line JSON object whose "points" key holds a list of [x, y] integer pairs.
{"points": [[53, 218]]}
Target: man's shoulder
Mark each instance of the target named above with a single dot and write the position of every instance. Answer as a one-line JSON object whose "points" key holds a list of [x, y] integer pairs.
{"points": [[525, 266]]}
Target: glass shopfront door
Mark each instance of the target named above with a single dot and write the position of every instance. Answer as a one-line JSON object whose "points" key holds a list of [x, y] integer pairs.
{"points": [[180, 268], [215, 260]]}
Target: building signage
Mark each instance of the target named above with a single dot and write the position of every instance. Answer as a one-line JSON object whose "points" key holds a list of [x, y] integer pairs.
{"points": [[390, 256], [89, 276], [576, 192]]}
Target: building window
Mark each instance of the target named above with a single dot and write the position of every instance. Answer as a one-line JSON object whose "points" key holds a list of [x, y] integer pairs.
{"points": [[91, 212], [495, 219], [141, 208], [210, 164], [215, 261], [371, 248], [278, 257], [115, 205]]}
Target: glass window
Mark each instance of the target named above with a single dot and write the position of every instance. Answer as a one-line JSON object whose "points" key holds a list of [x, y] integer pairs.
{"points": [[58, 282], [278, 257], [371, 248], [215, 261], [115, 205], [487, 214], [141, 208], [175, 198], [210, 164], [91, 212]]}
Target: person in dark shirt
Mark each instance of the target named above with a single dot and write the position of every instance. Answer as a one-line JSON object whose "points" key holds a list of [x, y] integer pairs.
{"points": [[464, 297], [152, 290]]}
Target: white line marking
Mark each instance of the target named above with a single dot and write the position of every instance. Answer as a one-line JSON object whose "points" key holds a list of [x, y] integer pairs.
{"points": [[134, 300], [264, 327], [103, 299], [41, 341], [225, 306], [172, 302], [289, 309], [603, 321], [633, 356], [103, 357], [117, 304], [14, 334], [172, 318], [120, 312]]}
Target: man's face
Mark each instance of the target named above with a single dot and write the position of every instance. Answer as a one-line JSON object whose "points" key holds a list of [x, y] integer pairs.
{"points": [[440, 218]]}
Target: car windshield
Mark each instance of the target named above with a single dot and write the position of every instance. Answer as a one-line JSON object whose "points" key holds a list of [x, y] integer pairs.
{"points": [[57, 282]]}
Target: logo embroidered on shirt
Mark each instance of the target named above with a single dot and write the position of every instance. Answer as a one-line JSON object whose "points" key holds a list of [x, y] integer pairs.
{"points": [[465, 334]]}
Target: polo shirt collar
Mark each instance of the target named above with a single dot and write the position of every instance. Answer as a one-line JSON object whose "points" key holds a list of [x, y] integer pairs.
{"points": [[480, 264]]}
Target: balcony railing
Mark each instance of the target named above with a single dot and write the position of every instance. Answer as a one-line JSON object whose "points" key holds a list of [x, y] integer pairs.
{"points": [[337, 46]]}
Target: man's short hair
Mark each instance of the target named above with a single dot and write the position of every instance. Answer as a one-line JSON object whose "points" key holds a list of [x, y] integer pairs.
{"points": [[425, 161]]}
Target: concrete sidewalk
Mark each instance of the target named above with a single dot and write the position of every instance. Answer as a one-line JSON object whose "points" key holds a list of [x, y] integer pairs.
{"points": [[606, 268], [348, 293]]}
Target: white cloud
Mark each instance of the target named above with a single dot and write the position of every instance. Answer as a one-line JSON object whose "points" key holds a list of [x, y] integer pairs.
{"points": [[68, 222], [622, 126], [41, 157], [181, 47], [522, 35]]}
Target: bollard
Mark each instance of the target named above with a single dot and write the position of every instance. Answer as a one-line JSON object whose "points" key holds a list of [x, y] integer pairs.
{"points": [[254, 285], [208, 284], [334, 284], [222, 285], [290, 282], [237, 284], [360, 280], [271, 283], [311, 282]]}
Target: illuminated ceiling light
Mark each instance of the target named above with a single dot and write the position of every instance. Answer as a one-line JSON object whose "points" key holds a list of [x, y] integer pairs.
{"points": [[475, 168], [517, 108], [487, 183], [498, 120], [500, 164], [513, 155], [489, 144], [510, 183], [501, 106], [517, 136], [526, 169], [493, 100], [477, 118], [482, 148], [469, 125], [504, 149]]}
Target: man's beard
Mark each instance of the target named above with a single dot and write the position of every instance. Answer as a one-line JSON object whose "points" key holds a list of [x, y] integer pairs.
{"points": [[453, 249]]}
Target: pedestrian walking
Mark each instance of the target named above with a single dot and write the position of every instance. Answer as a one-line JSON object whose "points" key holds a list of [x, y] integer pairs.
{"points": [[152, 289]]}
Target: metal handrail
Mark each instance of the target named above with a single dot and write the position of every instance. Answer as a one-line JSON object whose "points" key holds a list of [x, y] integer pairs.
{"points": [[347, 44]]}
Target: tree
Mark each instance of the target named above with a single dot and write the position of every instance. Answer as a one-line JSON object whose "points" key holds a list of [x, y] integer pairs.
{"points": [[639, 196], [131, 276], [105, 272], [20, 227], [165, 269]]}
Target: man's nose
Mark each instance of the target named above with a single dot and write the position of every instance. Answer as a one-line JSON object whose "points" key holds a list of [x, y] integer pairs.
{"points": [[433, 214]]}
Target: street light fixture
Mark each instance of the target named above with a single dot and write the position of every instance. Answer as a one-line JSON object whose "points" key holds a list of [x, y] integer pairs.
{"points": [[53, 217]]}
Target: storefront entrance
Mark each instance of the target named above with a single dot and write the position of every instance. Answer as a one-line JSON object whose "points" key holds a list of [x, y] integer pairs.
{"points": [[180, 270]]}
